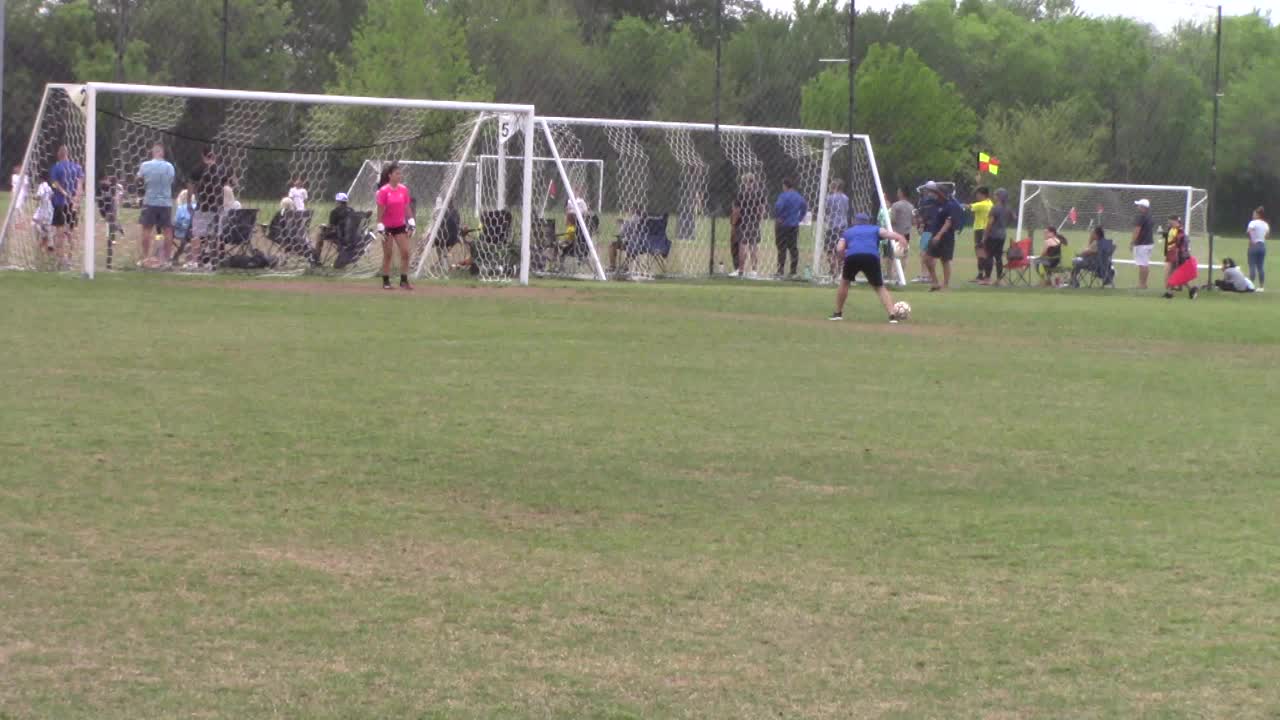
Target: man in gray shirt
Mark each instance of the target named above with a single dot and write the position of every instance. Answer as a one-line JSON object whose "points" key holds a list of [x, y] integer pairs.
{"points": [[837, 221], [901, 215], [157, 203]]}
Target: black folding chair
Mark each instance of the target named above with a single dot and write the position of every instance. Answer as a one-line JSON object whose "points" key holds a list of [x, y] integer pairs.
{"points": [[652, 242], [492, 253]]}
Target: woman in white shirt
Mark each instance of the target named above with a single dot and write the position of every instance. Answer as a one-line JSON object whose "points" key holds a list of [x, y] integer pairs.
{"points": [[1258, 231]]}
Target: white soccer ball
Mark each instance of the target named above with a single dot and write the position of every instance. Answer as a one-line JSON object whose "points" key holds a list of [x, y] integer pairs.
{"points": [[902, 310]]}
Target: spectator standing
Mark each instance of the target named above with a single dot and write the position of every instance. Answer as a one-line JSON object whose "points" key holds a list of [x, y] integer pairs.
{"points": [[901, 219], [999, 220], [942, 243], [751, 208], [43, 217], [927, 214], [788, 212], [157, 203], [208, 180], [1143, 241], [298, 194], [1258, 231], [66, 177], [836, 222]]}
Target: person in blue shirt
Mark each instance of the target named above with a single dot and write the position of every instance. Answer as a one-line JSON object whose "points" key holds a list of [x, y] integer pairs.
{"points": [[942, 244], [788, 212], [836, 222], [66, 177], [860, 247], [157, 203]]}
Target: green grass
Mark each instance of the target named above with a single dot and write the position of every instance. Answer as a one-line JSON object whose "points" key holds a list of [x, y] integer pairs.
{"points": [[626, 501]]}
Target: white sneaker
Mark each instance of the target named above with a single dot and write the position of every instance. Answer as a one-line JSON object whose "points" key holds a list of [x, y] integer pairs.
{"points": [[752, 275], [1260, 290], [734, 274]]}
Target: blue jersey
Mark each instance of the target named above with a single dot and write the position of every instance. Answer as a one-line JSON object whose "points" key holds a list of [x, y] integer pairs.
{"points": [[862, 240], [790, 209], [67, 174]]}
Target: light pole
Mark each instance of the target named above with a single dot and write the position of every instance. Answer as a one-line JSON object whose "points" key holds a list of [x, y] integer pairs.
{"points": [[852, 68], [1213, 161]]}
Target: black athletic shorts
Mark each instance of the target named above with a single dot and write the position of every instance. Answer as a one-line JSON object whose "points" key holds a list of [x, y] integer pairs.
{"points": [[402, 230], [943, 247], [64, 215], [868, 265]]}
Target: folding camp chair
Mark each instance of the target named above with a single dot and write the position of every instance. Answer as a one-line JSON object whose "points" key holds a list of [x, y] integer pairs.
{"points": [[651, 243], [1018, 271], [1098, 271], [232, 246], [290, 230], [352, 238], [575, 246]]}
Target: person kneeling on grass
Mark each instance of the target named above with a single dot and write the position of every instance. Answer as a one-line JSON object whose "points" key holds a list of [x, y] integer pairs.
{"points": [[860, 247]]}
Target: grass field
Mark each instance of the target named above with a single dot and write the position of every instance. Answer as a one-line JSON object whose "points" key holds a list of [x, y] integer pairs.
{"points": [[301, 499]]}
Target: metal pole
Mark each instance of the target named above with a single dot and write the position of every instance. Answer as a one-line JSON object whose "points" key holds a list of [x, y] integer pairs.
{"points": [[15, 190], [848, 181], [1213, 164], [711, 259], [225, 22]]}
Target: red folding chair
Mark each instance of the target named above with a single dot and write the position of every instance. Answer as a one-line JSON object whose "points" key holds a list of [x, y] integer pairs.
{"points": [[1018, 271]]}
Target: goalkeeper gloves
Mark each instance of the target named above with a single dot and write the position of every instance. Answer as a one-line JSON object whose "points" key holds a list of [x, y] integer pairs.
{"points": [[381, 228], [412, 224]]}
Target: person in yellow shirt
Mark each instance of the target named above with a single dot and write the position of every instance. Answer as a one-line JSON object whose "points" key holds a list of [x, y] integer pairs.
{"points": [[981, 209]]}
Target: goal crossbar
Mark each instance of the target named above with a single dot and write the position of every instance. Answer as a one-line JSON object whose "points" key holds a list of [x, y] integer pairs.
{"points": [[86, 95], [1192, 198]]}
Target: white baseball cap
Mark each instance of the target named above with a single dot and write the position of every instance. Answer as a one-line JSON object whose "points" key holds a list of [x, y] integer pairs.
{"points": [[340, 197], [1143, 203]]}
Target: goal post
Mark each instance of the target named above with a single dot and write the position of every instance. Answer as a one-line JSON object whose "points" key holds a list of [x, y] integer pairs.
{"points": [[1081, 206], [669, 190], [262, 145]]}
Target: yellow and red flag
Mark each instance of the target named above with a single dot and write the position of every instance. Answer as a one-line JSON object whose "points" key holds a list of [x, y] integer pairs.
{"points": [[988, 164]]}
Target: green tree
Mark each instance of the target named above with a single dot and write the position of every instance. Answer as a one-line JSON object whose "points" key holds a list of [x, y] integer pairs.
{"points": [[643, 58], [1047, 142], [393, 69], [920, 125]]}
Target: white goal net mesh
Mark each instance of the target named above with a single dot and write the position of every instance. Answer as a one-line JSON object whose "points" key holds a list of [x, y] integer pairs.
{"points": [[255, 183], [1074, 209], [669, 194]]}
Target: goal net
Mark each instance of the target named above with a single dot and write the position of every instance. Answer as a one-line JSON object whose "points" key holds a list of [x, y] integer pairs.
{"points": [[1076, 208], [255, 180], [668, 195]]}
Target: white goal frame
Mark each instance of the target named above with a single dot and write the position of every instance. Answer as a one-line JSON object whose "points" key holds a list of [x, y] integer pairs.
{"points": [[1195, 197], [831, 144], [512, 119]]}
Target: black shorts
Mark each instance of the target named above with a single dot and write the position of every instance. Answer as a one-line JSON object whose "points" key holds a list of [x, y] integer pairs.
{"points": [[942, 247], [155, 216], [979, 237], [64, 215], [401, 230], [868, 265]]}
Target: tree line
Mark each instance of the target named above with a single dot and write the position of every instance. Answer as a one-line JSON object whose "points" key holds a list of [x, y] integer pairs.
{"points": [[1050, 92]]}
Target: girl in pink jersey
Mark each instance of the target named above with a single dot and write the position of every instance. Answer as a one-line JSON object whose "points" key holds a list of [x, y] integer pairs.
{"points": [[396, 223]]}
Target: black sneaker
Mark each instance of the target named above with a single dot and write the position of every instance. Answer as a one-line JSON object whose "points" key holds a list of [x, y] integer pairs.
{"points": [[1168, 296], [1194, 293], [386, 285], [836, 316], [893, 319]]}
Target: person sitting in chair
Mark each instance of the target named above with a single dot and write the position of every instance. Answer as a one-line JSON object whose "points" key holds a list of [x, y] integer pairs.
{"points": [[630, 232], [1051, 258], [1092, 257]]}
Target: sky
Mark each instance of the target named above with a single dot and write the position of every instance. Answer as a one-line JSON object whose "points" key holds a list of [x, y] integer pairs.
{"points": [[1164, 14]]}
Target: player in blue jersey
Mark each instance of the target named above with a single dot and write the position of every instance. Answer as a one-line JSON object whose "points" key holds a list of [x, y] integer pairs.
{"points": [[860, 247]]}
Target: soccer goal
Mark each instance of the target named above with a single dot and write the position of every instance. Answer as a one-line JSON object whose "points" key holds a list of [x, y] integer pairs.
{"points": [[240, 154], [1075, 208], [669, 190]]}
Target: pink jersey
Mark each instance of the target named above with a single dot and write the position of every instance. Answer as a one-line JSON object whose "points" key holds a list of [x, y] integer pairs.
{"points": [[394, 202]]}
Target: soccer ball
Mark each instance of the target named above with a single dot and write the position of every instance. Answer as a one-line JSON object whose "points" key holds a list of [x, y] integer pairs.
{"points": [[902, 310]]}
